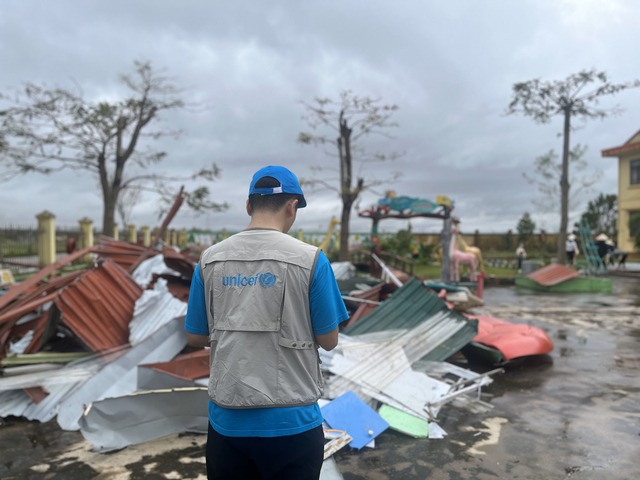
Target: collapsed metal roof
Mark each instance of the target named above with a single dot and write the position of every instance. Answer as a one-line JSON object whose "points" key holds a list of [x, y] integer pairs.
{"points": [[136, 320], [414, 304], [553, 274]]}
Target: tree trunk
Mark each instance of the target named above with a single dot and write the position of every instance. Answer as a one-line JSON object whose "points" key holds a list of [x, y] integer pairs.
{"points": [[445, 242], [344, 151], [564, 188], [344, 230], [108, 215]]}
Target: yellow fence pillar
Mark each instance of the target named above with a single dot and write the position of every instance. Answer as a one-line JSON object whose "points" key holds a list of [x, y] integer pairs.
{"points": [[132, 234], [167, 237], [86, 233], [46, 238], [86, 236], [116, 232], [174, 237], [146, 236], [182, 238]]}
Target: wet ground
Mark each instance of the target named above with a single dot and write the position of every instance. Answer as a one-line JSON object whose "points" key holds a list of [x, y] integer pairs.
{"points": [[572, 414]]}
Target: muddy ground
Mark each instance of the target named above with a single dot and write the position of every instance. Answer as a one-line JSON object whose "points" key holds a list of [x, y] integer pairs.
{"points": [[572, 414]]}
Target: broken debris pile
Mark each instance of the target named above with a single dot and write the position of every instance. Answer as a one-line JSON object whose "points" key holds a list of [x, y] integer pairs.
{"points": [[103, 350], [70, 337]]}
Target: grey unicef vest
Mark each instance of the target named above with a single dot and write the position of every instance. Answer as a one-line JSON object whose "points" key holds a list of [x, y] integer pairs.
{"points": [[263, 351]]}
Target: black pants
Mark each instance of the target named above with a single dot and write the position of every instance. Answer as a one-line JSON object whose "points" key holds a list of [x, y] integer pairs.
{"points": [[292, 457]]}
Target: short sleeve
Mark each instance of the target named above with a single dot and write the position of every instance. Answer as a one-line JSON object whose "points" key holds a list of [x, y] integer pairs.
{"points": [[325, 300], [196, 319]]}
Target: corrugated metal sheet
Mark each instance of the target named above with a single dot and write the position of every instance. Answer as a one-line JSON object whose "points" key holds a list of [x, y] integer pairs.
{"points": [[553, 274], [119, 377], [409, 306], [127, 255], [414, 304], [59, 384], [152, 310], [189, 366], [149, 415], [178, 262], [99, 305], [151, 267]]}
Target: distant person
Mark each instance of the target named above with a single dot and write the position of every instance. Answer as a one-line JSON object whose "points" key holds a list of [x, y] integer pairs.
{"points": [[571, 249], [522, 255], [619, 258], [604, 247]]}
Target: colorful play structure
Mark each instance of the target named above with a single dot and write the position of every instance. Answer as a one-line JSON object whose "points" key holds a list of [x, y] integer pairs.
{"points": [[455, 251]]}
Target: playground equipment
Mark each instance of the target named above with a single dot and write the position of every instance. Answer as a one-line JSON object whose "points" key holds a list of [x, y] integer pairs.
{"points": [[471, 249], [327, 239], [393, 206], [595, 265], [459, 257]]}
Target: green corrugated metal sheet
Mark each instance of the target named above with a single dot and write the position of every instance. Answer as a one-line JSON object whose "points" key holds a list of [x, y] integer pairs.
{"points": [[413, 304]]}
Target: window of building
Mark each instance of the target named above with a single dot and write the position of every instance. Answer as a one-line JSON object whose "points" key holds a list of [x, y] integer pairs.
{"points": [[635, 172]]}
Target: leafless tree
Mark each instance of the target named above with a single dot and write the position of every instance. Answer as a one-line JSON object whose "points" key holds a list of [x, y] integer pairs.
{"points": [[576, 96], [351, 118], [47, 130]]}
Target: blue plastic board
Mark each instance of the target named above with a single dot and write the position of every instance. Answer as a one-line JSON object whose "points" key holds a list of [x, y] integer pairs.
{"points": [[348, 412]]}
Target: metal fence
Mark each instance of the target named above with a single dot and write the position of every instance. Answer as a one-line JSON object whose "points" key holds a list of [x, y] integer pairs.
{"points": [[19, 246]]}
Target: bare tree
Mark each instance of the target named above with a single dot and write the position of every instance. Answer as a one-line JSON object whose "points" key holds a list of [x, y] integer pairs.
{"points": [[47, 130], [351, 118], [548, 170], [572, 97]]}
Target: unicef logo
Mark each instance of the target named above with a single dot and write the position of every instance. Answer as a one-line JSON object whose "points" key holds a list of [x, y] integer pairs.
{"points": [[268, 280]]}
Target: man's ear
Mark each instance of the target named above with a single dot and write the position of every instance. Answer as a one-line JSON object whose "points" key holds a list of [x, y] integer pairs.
{"points": [[249, 211], [293, 206]]}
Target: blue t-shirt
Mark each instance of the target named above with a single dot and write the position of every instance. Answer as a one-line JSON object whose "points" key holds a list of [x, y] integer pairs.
{"points": [[327, 311]]}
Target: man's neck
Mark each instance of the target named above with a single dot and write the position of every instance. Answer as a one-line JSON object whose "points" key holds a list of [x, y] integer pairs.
{"points": [[265, 222]]}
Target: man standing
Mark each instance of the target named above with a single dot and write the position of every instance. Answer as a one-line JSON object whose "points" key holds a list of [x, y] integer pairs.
{"points": [[522, 255], [571, 249], [264, 301]]}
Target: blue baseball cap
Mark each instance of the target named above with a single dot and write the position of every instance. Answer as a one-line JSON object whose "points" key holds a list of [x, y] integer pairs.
{"points": [[288, 183]]}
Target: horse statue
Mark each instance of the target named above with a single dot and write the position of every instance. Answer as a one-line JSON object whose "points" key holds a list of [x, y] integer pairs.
{"points": [[466, 248], [459, 258]]}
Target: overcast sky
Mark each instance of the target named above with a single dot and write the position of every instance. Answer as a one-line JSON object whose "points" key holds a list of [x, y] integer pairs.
{"points": [[449, 66]]}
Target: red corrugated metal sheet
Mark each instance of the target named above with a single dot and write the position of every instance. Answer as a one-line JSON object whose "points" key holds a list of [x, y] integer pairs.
{"points": [[190, 366], [553, 274], [178, 262], [99, 306], [27, 285], [127, 255]]}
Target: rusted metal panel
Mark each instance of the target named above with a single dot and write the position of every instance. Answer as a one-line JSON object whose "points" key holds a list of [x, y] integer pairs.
{"points": [[553, 274], [36, 394], [99, 306], [17, 312], [190, 366], [26, 285], [178, 262], [125, 254]]}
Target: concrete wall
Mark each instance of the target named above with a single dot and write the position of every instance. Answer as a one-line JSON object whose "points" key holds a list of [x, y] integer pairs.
{"points": [[628, 201]]}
